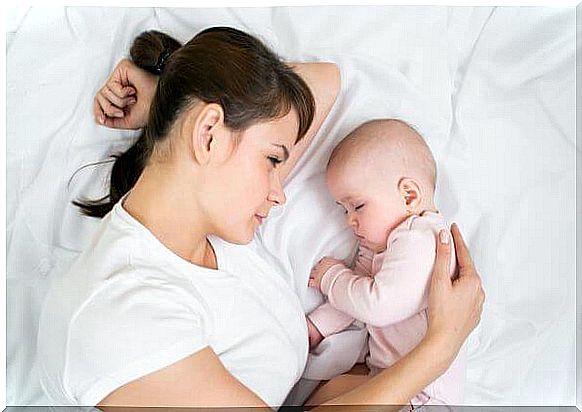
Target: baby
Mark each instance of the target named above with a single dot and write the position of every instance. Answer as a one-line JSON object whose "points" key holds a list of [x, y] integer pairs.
{"points": [[383, 175]]}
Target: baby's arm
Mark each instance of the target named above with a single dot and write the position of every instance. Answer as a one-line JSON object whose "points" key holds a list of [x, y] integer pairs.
{"points": [[396, 292], [314, 335], [327, 320]]}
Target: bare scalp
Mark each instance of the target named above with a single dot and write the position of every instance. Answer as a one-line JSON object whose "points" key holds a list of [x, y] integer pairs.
{"points": [[389, 146]]}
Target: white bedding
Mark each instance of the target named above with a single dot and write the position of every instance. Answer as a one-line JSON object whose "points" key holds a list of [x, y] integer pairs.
{"points": [[491, 89]]}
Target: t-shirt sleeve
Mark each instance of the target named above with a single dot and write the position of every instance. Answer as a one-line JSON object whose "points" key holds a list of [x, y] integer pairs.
{"points": [[128, 329]]}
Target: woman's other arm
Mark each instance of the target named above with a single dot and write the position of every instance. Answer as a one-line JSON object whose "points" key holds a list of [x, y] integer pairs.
{"points": [[197, 380], [200, 380], [454, 310]]}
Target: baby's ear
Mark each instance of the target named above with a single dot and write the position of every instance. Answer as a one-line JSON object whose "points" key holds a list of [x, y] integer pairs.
{"points": [[409, 190]]}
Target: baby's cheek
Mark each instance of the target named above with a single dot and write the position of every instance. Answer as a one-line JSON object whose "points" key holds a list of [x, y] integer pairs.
{"points": [[380, 235]]}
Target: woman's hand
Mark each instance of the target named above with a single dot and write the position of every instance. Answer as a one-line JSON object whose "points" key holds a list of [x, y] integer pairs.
{"points": [[454, 305], [454, 309], [124, 101]]}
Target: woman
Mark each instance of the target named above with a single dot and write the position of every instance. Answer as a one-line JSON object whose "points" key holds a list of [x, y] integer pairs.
{"points": [[167, 307]]}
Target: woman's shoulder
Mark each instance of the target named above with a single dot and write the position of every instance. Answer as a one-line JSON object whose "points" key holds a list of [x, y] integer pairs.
{"points": [[122, 249], [119, 274], [128, 326]]}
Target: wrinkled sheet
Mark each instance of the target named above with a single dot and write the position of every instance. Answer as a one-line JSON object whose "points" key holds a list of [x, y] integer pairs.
{"points": [[491, 89]]}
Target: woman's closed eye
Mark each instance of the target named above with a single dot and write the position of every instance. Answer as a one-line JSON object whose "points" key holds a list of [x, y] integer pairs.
{"points": [[274, 160], [359, 206]]}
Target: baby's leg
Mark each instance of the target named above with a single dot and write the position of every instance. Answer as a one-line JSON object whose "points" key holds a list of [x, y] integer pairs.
{"points": [[335, 387]]}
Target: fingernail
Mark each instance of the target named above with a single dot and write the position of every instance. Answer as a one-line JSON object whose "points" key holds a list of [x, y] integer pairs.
{"points": [[132, 101], [444, 237]]}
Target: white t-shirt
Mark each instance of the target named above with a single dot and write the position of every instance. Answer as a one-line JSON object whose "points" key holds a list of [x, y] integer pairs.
{"points": [[129, 306]]}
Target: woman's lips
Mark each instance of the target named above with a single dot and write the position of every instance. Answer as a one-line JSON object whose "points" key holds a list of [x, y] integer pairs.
{"points": [[260, 218]]}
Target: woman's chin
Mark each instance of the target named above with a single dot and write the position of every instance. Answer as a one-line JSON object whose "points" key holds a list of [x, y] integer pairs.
{"points": [[240, 234], [242, 238]]}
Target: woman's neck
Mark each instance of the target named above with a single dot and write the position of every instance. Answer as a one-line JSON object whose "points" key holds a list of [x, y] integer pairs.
{"points": [[159, 202]]}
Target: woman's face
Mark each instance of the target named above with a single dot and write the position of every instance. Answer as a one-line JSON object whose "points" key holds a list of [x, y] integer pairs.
{"points": [[249, 182]]}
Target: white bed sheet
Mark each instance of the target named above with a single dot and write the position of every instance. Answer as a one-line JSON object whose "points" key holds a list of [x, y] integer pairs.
{"points": [[491, 89]]}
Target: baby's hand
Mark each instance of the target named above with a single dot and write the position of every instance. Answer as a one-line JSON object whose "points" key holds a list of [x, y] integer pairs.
{"points": [[319, 270]]}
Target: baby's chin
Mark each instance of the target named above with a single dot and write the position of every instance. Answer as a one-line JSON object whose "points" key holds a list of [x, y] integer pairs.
{"points": [[374, 247]]}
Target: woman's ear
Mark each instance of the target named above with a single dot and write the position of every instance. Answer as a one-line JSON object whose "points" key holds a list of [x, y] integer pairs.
{"points": [[411, 193], [205, 128]]}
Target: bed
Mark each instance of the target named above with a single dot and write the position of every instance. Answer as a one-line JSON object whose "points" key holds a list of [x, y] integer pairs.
{"points": [[490, 88]]}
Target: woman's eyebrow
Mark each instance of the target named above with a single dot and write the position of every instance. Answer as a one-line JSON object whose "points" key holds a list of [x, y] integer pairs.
{"points": [[285, 151]]}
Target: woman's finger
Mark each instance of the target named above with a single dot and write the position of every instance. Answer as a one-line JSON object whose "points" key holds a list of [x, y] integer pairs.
{"points": [[120, 90], [104, 120], [441, 272], [108, 108], [117, 100], [115, 122], [98, 112], [463, 256]]}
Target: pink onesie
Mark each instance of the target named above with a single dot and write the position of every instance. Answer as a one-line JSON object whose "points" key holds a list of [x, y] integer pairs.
{"points": [[388, 292]]}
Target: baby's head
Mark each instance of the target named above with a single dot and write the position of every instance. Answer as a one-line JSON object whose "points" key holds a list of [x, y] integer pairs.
{"points": [[381, 173]]}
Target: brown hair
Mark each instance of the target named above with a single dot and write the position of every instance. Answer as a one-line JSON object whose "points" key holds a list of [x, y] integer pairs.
{"points": [[219, 65]]}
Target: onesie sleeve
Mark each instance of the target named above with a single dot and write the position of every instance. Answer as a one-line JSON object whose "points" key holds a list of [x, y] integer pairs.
{"points": [[130, 328], [397, 291], [328, 320]]}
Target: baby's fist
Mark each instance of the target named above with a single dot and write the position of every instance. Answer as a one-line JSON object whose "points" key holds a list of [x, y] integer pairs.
{"points": [[319, 270]]}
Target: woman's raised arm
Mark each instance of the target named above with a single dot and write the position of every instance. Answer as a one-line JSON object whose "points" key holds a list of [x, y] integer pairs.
{"points": [[124, 101], [323, 80]]}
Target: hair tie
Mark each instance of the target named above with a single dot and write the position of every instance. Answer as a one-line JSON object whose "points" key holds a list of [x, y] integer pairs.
{"points": [[161, 63]]}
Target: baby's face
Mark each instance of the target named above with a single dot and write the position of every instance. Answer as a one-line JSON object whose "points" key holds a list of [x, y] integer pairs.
{"points": [[372, 205]]}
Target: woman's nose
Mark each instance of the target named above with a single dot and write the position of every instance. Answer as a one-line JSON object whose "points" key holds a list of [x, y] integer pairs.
{"points": [[276, 194]]}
